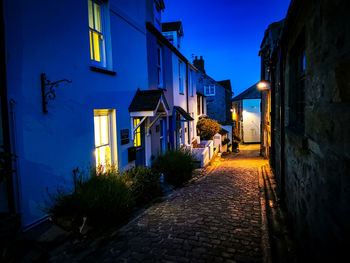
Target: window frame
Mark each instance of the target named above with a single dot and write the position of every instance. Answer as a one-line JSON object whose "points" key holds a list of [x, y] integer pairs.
{"points": [[190, 80], [137, 137], [160, 69], [209, 92], [111, 138], [199, 100], [104, 49], [181, 81]]}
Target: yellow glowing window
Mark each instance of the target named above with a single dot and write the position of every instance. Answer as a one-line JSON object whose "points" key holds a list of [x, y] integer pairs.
{"points": [[137, 139], [95, 31], [102, 148]]}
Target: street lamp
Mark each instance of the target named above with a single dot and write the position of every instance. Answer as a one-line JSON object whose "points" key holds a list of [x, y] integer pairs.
{"points": [[264, 85]]}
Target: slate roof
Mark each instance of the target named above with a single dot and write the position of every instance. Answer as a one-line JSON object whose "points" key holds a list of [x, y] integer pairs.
{"points": [[183, 113], [252, 93], [226, 84], [146, 100], [172, 26]]}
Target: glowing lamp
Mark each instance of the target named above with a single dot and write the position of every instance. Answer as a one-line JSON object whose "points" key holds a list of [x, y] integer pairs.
{"points": [[264, 85]]}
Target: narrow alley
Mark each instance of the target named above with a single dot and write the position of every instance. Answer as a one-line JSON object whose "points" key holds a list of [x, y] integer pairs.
{"points": [[215, 219]]}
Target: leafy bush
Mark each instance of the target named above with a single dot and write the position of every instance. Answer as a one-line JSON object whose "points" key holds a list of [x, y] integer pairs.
{"points": [[144, 184], [177, 166], [103, 199], [208, 128]]}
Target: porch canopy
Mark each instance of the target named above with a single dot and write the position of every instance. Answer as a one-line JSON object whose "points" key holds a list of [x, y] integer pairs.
{"points": [[147, 104], [183, 113]]}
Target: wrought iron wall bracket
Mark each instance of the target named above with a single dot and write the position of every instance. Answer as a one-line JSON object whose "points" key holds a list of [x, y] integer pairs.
{"points": [[48, 90]]}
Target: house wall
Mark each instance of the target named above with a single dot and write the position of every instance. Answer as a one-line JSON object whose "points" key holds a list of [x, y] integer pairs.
{"points": [[192, 100], [42, 37], [172, 86], [317, 163], [251, 120], [266, 123], [180, 98], [216, 105]]}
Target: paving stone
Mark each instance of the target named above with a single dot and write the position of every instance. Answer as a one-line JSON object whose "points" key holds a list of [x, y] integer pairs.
{"points": [[213, 219]]}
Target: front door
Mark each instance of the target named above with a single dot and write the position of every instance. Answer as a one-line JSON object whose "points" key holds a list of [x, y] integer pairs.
{"points": [[140, 146]]}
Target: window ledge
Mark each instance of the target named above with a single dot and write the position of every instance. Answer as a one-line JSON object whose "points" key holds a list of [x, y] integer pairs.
{"points": [[103, 70]]}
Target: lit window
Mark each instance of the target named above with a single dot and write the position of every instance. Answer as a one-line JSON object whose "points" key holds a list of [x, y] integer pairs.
{"points": [[209, 90], [137, 139], [96, 32], [102, 140]]}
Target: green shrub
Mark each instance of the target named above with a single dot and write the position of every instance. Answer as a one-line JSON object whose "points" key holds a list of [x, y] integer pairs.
{"points": [[208, 128], [103, 199], [177, 166], [144, 184]]}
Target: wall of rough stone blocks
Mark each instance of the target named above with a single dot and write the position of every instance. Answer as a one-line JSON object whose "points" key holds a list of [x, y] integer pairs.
{"points": [[318, 161]]}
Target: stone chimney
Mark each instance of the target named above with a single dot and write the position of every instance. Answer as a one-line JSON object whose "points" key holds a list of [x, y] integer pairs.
{"points": [[199, 63]]}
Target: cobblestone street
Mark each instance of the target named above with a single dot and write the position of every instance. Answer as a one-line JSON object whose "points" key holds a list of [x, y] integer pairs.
{"points": [[214, 219]]}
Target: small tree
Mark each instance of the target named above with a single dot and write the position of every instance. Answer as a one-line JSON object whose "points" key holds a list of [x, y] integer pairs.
{"points": [[208, 128]]}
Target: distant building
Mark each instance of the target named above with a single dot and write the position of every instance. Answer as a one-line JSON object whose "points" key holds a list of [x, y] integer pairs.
{"points": [[218, 94], [270, 117], [246, 114]]}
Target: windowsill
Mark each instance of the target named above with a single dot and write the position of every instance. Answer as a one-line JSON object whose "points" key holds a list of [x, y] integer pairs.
{"points": [[103, 70]]}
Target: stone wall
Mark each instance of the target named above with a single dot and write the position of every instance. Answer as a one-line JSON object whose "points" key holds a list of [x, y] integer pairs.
{"points": [[318, 158]]}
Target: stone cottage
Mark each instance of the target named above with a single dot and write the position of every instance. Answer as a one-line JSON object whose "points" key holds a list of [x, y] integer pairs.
{"points": [[310, 111]]}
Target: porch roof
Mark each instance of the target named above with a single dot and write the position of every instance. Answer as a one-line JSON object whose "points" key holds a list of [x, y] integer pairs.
{"points": [[183, 113], [148, 103]]}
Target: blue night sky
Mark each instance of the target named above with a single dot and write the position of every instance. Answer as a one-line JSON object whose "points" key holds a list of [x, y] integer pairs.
{"points": [[227, 33]]}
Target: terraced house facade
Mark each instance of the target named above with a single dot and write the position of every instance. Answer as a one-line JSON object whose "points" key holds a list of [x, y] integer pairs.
{"points": [[93, 84]]}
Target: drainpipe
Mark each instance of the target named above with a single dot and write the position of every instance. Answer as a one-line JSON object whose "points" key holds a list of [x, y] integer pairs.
{"points": [[5, 114], [187, 106]]}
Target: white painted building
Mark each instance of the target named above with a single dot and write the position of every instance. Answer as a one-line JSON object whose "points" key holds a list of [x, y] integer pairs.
{"points": [[247, 114]]}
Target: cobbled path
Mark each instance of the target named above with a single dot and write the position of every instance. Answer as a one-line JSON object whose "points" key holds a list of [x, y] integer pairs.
{"points": [[215, 219]]}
